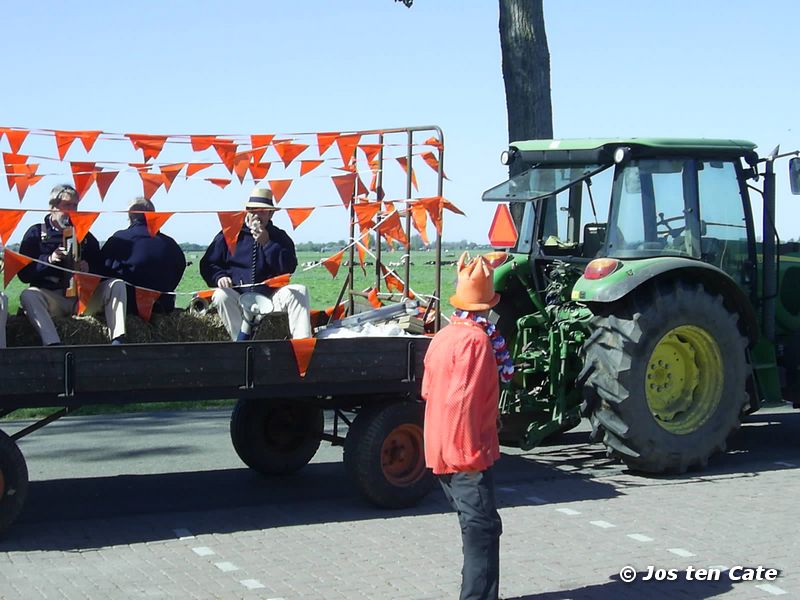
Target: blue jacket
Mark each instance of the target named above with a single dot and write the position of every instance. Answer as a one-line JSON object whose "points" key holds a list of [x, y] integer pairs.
{"points": [[246, 265], [39, 242], [154, 262]]}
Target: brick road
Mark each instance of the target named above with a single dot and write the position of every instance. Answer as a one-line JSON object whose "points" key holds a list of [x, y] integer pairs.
{"points": [[573, 519]]}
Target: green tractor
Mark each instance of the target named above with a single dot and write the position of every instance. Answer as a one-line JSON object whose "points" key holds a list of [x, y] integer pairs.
{"points": [[662, 315]]}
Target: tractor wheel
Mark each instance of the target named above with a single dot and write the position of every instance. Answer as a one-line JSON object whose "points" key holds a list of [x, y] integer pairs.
{"points": [[13, 481], [384, 455], [665, 378], [276, 438]]}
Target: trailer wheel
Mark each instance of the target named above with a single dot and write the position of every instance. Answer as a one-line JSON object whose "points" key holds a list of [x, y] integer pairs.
{"points": [[384, 455], [666, 378], [13, 481], [276, 438]]}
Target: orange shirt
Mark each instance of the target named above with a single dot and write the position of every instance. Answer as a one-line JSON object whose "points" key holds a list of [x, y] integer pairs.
{"points": [[461, 390]]}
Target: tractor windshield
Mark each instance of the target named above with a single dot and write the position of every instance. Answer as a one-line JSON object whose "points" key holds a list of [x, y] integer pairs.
{"points": [[540, 181]]}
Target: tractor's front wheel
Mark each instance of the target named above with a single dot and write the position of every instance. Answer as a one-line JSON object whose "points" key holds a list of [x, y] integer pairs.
{"points": [[666, 378], [13, 481]]}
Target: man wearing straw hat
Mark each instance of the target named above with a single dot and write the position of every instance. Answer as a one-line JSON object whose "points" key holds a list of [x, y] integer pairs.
{"points": [[461, 390], [262, 251]]}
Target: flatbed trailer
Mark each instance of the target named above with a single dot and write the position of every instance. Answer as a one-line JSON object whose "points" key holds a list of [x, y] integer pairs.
{"points": [[371, 384]]}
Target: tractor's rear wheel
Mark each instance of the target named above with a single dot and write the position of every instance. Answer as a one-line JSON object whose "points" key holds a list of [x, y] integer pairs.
{"points": [[665, 378], [13, 481]]}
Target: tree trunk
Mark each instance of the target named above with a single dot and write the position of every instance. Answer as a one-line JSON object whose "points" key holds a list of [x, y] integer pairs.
{"points": [[526, 70]]}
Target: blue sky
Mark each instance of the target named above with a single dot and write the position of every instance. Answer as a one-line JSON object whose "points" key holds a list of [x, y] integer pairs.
{"points": [[707, 69]]}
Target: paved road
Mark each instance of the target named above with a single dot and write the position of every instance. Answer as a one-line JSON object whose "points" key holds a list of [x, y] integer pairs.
{"points": [[159, 506]]}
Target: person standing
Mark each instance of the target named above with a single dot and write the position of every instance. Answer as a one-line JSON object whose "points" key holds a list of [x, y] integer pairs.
{"points": [[461, 389], [3, 318]]}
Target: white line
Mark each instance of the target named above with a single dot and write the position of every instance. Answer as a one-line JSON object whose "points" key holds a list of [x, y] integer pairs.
{"points": [[681, 552], [183, 534], [772, 589], [639, 537], [568, 511], [226, 567], [783, 464], [252, 584], [602, 524], [203, 551], [507, 489], [567, 468], [536, 499]]}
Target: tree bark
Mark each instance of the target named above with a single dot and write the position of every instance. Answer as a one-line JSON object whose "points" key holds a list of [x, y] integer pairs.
{"points": [[526, 70]]}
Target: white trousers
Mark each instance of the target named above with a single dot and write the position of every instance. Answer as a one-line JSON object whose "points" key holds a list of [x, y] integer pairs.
{"points": [[291, 299], [42, 305], [3, 318]]}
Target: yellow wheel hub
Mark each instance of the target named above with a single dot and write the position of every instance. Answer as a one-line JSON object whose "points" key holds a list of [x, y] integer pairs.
{"points": [[684, 379]]}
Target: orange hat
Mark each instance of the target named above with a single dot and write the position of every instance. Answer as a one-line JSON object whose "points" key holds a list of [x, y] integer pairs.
{"points": [[475, 288]]}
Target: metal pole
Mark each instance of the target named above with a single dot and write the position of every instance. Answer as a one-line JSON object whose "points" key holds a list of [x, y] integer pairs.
{"points": [[351, 254], [379, 193], [409, 172], [770, 286], [439, 192]]}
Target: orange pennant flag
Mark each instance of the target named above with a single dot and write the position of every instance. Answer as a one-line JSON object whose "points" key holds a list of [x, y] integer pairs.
{"points": [[347, 146], [193, 168], [306, 166], [226, 150], [150, 145], [289, 151], [419, 216], [392, 228], [219, 181], [373, 298], [10, 159], [451, 207], [13, 263], [434, 208], [151, 182], [83, 174], [86, 285], [170, 172], [433, 141], [241, 163], [64, 140], [370, 150], [145, 299], [231, 223], [433, 162], [345, 185], [365, 214], [278, 281], [15, 137], [404, 163], [394, 283], [103, 180], [260, 143], [9, 219], [202, 142], [26, 177], [303, 349], [325, 140], [205, 294], [362, 252], [155, 221], [279, 188], [332, 263], [298, 215], [82, 221], [259, 170], [88, 138]]}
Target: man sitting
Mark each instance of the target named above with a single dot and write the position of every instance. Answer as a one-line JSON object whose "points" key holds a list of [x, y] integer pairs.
{"points": [[262, 251]]}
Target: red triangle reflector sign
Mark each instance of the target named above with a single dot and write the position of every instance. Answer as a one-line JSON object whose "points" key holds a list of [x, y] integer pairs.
{"points": [[503, 232]]}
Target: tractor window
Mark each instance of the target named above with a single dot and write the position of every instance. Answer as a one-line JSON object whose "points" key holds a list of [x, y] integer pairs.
{"points": [[723, 228]]}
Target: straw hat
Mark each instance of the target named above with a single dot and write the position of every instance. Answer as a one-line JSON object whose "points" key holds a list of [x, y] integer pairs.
{"points": [[259, 199], [475, 288]]}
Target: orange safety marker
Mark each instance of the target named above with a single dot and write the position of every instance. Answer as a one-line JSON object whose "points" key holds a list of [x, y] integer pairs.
{"points": [[503, 232]]}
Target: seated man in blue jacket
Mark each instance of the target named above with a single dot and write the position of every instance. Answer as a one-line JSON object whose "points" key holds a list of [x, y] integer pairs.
{"points": [[262, 251], [154, 262]]}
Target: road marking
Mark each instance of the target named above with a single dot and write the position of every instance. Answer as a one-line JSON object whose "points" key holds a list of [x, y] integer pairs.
{"points": [[203, 551], [681, 552], [772, 589], [602, 524], [507, 489], [252, 584], [568, 511], [784, 463], [183, 534], [639, 537], [226, 567], [536, 499]]}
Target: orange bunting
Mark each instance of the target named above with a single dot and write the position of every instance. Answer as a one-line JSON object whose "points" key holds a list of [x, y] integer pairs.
{"points": [[10, 159], [433, 141], [205, 294], [289, 151], [434, 208], [394, 283], [279, 188], [260, 143], [259, 170], [451, 207], [325, 141], [151, 182], [391, 228], [241, 164], [345, 185], [332, 263], [83, 174], [13, 263], [231, 223], [226, 150], [9, 219], [156, 220], [373, 298], [104, 179], [303, 349], [336, 312], [362, 252], [370, 151], [15, 137], [433, 162], [404, 163], [82, 221], [170, 172], [25, 177], [219, 181], [86, 285], [419, 216], [193, 168], [145, 299], [306, 166], [347, 146], [298, 215], [202, 142], [365, 214], [64, 140], [278, 281], [150, 145]]}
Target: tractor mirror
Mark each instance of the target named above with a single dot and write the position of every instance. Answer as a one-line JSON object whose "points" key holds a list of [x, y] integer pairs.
{"points": [[794, 175]]}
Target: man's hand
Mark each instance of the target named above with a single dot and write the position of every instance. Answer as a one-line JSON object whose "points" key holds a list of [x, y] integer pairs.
{"points": [[58, 255], [224, 282], [261, 237]]}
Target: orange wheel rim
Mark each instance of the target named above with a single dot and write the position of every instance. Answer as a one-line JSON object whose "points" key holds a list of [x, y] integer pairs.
{"points": [[402, 455]]}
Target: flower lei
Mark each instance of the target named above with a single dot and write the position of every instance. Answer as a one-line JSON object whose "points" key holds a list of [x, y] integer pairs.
{"points": [[505, 366]]}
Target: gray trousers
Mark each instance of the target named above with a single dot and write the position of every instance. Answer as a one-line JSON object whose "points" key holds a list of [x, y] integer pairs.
{"points": [[3, 318], [291, 299]]}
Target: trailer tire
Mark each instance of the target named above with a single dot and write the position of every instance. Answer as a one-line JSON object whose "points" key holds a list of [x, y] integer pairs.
{"points": [[384, 455], [666, 378], [13, 481], [276, 438]]}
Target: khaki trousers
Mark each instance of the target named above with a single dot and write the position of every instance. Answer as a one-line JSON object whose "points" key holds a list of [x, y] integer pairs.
{"points": [[42, 305], [3, 318], [291, 299]]}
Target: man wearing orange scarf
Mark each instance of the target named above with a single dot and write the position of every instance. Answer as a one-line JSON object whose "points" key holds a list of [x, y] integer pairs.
{"points": [[461, 390]]}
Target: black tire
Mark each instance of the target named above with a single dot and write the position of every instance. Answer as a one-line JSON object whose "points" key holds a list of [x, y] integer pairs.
{"points": [[276, 438], [13, 481], [385, 457], [615, 376]]}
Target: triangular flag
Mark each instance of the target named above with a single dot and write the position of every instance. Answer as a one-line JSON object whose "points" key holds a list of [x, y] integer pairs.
{"points": [[370, 150], [303, 349], [219, 181], [10, 159], [419, 216], [278, 281], [9, 219], [193, 168], [170, 172], [259, 170], [394, 283], [433, 162], [260, 143], [88, 138], [103, 180], [434, 208], [13, 263], [391, 227], [345, 185], [156, 220], [289, 151], [325, 140], [502, 231], [26, 177], [241, 163], [86, 285], [231, 223], [151, 182], [433, 141], [202, 142], [347, 146], [451, 207], [226, 150], [298, 215], [150, 145], [306, 166], [83, 174], [205, 294], [373, 298], [365, 214], [15, 137], [362, 252], [64, 140], [279, 188], [332, 263], [144, 302], [404, 163], [82, 221]]}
